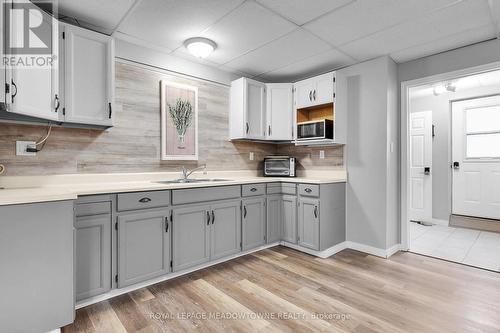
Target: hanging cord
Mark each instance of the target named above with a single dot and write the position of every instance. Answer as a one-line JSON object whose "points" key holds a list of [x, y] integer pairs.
{"points": [[40, 142]]}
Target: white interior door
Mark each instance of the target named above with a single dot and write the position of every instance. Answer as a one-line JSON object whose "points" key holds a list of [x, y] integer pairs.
{"points": [[420, 166], [476, 157]]}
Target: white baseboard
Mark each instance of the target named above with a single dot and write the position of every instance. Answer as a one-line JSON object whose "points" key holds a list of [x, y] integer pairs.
{"points": [[322, 254], [383, 253], [121, 291]]}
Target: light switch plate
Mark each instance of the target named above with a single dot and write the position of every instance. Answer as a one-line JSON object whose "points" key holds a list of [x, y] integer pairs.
{"points": [[321, 154], [251, 156], [21, 148]]}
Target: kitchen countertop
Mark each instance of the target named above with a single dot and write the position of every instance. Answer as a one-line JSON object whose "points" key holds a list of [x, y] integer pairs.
{"points": [[25, 190]]}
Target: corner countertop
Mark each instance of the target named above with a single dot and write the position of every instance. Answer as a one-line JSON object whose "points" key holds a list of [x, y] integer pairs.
{"points": [[24, 190]]}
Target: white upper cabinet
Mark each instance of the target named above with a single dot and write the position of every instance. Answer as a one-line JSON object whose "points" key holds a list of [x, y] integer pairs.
{"points": [[33, 91], [315, 91], [87, 65], [279, 111], [247, 109]]}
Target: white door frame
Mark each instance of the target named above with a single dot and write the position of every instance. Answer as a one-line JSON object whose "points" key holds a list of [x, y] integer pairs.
{"points": [[405, 110]]}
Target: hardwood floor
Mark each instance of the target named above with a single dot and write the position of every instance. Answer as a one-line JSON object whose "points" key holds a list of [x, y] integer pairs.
{"points": [[282, 290]]}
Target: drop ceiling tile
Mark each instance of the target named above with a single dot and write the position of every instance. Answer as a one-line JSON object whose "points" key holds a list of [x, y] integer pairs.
{"points": [[365, 17], [462, 17], [444, 44], [100, 15], [169, 23], [295, 46], [245, 29], [321, 63], [300, 11]]}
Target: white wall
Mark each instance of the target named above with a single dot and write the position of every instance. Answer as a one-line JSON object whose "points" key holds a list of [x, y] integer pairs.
{"points": [[441, 118], [465, 57], [155, 58], [371, 192]]}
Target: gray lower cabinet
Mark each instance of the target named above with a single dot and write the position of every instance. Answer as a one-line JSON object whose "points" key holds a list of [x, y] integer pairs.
{"points": [[143, 246], [273, 218], [225, 231], [308, 223], [191, 236], [253, 222], [289, 218], [92, 255], [36, 266]]}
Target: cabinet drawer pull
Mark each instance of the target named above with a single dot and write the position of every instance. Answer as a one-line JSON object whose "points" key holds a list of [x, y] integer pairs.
{"points": [[144, 200], [253, 189], [308, 190], [316, 211], [208, 217]]}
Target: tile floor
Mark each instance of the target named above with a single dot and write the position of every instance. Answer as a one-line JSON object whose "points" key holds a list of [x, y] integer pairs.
{"points": [[471, 247]]}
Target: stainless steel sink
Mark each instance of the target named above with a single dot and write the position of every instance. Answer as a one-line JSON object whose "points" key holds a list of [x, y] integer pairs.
{"points": [[193, 180]]}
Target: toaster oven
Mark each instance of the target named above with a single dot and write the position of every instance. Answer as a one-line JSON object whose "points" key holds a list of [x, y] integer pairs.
{"points": [[279, 166]]}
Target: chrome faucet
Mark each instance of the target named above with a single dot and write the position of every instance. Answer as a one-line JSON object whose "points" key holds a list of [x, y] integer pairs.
{"points": [[186, 173]]}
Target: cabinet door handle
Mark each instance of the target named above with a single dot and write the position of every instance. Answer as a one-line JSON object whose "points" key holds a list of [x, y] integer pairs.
{"points": [[145, 200], [208, 217], [166, 224], [110, 110], [269, 130], [14, 94], [58, 104], [244, 211], [248, 127], [213, 217], [310, 95], [308, 190], [316, 211]]}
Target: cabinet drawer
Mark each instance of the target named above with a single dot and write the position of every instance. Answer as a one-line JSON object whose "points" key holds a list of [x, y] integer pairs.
{"points": [[142, 200], [95, 208], [309, 190], [252, 190], [195, 195], [274, 188]]}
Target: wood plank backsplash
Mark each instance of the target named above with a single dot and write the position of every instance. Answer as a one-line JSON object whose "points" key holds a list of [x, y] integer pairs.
{"points": [[133, 144]]}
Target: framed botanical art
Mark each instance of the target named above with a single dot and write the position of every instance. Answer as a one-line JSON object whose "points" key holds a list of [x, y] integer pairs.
{"points": [[179, 121]]}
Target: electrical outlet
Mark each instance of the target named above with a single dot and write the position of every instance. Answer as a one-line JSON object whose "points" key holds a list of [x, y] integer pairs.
{"points": [[251, 156], [21, 147], [321, 154]]}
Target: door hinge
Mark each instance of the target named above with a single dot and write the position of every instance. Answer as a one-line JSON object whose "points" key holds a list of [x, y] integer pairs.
{"points": [[7, 88], [116, 278], [333, 95], [116, 226], [171, 264], [265, 238], [334, 79], [241, 245], [64, 35], [64, 111]]}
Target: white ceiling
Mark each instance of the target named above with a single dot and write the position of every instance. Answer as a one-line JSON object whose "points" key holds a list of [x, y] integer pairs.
{"points": [[286, 40], [486, 79]]}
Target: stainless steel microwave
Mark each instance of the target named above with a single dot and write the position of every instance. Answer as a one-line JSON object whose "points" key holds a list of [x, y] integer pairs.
{"points": [[314, 130], [280, 166]]}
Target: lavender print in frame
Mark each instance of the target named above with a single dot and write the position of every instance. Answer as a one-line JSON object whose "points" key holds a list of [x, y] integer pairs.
{"points": [[179, 121]]}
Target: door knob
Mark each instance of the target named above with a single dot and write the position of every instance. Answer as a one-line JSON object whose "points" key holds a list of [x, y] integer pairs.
{"points": [[456, 165], [427, 170]]}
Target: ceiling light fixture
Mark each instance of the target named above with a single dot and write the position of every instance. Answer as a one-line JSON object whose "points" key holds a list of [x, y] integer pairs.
{"points": [[200, 47]]}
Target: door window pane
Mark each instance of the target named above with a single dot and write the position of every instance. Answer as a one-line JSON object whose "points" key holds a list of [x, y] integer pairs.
{"points": [[484, 119], [483, 145]]}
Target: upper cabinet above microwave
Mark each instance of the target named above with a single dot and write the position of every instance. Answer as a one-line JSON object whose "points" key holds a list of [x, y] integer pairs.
{"points": [[315, 91]]}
